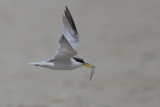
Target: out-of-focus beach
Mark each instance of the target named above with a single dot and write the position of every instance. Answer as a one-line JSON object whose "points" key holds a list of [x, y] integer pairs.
{"points": [[120, 37]]}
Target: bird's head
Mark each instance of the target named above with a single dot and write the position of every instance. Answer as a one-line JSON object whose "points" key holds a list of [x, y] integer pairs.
{"points": [[82, 61]]}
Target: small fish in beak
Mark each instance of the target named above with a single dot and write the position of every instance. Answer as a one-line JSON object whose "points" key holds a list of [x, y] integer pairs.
{"points": [[93, 69]]}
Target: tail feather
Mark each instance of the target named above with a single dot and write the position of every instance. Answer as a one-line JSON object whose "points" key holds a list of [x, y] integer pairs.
{"points": [[34, 63]]}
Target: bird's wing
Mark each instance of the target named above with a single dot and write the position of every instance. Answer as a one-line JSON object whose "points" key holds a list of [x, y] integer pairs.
{"points": [[69, 40], [69, 29], [64, 50]]}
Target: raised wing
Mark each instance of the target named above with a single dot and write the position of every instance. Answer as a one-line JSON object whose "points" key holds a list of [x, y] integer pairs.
{"points": [[69, 29], [69, 40]]}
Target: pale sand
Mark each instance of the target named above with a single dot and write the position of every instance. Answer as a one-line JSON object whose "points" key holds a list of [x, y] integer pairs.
{"points": [[120, 37]]}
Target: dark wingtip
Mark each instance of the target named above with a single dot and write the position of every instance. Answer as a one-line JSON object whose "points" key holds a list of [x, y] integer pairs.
{"points": [[66, 8], [70, 19]]}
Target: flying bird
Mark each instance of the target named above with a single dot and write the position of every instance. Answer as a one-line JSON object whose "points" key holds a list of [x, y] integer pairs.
{"points": [[64, 57]]}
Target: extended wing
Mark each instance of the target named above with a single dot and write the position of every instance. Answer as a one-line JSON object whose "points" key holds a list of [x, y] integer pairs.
{"points": [[69, 29], [69, 40]]}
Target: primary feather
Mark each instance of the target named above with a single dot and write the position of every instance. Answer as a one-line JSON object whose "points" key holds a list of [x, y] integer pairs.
{"points": [[69, 40], [69, 29]]}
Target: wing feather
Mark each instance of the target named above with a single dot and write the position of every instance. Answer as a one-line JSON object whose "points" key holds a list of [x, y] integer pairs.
{"points": [[64, 51], [69, 29], [69, 40]]}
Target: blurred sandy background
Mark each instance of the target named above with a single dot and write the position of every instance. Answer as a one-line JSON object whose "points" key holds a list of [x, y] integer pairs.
{"points": [[120, 37]]}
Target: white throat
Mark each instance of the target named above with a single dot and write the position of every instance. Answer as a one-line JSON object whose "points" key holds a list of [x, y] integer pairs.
{"points": [[76, 64]]}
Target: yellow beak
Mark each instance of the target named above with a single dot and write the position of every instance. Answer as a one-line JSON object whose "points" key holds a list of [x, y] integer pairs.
{"points": [[88, 65]]}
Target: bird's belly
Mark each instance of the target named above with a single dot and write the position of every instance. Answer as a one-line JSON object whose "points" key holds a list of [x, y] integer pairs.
{"points": [[61, 66]]}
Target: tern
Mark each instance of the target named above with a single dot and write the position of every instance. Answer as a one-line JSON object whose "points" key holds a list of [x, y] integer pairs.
{"points": [[64, 57]]}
